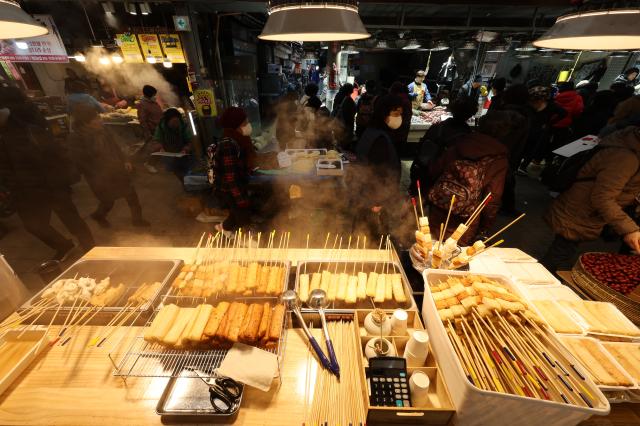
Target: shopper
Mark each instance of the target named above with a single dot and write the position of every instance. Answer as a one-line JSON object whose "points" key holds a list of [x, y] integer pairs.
{"points": [[287, 113], [596, 114], [626, 110], [38, 174], [438, 138], [310, 91], [149, 116], [628, 77], [401, 134], [605, 185], [478, 164], [498, 87], [569, 100], [377, 178], [344, 110], [173, 135], [364, 107], [419, 92], [472, 87], [104, 166], [232, 169], [77, 95]]}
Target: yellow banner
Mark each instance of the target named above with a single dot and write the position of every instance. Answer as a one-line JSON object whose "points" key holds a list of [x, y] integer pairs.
{"points": [[129, 48], [172, 47], [205, 102], [150, 46]]}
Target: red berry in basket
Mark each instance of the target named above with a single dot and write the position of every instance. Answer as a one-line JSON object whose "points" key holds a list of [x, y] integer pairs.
{"points": [[619, 272]]}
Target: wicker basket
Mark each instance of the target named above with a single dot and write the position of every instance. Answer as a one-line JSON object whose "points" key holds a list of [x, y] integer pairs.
{"points": [[599, 291]]}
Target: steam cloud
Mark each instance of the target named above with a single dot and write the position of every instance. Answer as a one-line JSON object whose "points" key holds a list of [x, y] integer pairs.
{"points": [[128, 79]]}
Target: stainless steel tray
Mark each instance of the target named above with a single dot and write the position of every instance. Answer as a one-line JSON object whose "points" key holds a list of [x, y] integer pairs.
{"points": [[366, 266], [132, 273], [187, 399]]}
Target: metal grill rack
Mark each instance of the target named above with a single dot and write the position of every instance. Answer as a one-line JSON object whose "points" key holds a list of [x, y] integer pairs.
{"points": [[144, 359]]}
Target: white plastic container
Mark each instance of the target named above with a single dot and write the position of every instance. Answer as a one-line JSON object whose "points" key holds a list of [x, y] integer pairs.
{"points": [[552, 292], [479, 407]]}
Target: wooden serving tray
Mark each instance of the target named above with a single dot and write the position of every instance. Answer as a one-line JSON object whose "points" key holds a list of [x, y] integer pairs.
{"points": [[17, 351]]}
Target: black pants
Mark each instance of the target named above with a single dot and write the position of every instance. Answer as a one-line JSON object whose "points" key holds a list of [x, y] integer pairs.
{"points": [[561, 255], [35, 212], [509, 192], [106, 204], [239, 217]]}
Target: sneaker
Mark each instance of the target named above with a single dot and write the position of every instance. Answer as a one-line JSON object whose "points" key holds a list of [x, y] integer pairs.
{"points": [[140, 223], [150, 168], [101, 220]]}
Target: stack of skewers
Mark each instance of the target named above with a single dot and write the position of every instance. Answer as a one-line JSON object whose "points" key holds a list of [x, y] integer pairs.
{"points": [[344, 279], [503, 346], [447, 254], [225, 267]]}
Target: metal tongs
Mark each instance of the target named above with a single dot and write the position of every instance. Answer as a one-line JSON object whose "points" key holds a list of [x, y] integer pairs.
{"points": [[224, 392]]}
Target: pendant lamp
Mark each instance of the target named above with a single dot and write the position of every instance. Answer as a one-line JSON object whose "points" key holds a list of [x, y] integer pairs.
{"points": [[606, 29], [16, 23], [295, 20]]}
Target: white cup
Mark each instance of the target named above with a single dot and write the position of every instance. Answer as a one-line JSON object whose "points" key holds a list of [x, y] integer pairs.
{"points": [[418, 344], [414, 360], [419, 385], [399, 322]]}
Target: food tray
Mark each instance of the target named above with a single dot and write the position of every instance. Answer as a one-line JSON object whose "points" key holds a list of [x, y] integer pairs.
{"points": [[187, 399], [173, 296], [366, 266], [575, 319], [509, 255], [17, 351], [605, 354], [555, 292], [144, 359], [633, 346], [479, 407], [531, 274], [132, 273], [613, 310]]}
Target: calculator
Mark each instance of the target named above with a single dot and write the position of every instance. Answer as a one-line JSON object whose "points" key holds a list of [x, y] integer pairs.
{"points": [[388, 382]]}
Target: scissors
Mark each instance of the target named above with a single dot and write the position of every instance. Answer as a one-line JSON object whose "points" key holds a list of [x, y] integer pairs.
{"points": [[224, 392]]}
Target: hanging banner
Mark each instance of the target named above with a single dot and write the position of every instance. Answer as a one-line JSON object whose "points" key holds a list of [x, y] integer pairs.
{"points": [[150, 46], [172, 47], [129, 47], [46, 48], [205, 102]]}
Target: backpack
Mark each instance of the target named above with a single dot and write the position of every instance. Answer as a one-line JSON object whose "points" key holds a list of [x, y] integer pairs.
{"points": [[561, 175], [464, 178], [211, 162], [365, 110]]}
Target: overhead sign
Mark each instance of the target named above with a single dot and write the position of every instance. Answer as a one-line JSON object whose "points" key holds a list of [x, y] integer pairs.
{"points": [[205, 102], [172, 47], [150, 45], [46, 48], [181, 23], [129, 47]]}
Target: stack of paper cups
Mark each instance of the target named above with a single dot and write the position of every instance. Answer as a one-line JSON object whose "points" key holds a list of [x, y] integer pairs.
{"points": [[419, 385], [399, 322], [417, 349]]}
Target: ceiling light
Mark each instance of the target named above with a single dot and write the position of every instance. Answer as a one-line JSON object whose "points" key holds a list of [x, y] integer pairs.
{"points": [[116, 58], [22, 45], [413, 44], [620, 54], [16, 23], [526, 47], [131, 8], [79, 57], [382, 44], [468, 46], [500, 48], [104, 60], [145, 9], [565, 59], [350, 50], [166, 63], [609, 29], [439, 46], [107, 6], [523, 56], [151, 59], [321, 21]]}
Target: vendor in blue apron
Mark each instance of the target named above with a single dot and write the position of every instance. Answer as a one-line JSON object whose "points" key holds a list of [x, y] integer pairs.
{"points": [[419, 94]]}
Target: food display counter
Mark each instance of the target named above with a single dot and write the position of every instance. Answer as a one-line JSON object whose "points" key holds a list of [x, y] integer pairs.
{"points": [[82, 383]]}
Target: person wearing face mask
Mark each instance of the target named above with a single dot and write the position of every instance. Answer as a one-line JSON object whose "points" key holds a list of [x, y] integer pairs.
{"points": [[173, 135], [378, 173], [104, 166], [232, 168], [419, 93], [149, 116]]}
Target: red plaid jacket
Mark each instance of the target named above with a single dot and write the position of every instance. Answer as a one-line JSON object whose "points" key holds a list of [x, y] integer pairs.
{"points": [[231, 173]]}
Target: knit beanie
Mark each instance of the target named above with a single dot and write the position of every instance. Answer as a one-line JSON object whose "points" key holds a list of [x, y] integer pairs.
{"points": [[232, 118]]}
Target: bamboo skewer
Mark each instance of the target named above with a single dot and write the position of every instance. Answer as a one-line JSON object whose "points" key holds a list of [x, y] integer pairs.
{"points": [[478, 209], [375, 268], [420, 198], [446, 223], [505, 228], [415, 212]]}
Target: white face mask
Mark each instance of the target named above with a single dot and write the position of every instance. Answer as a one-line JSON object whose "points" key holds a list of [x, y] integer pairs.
{"points": [[393, 122], [246, 130]]}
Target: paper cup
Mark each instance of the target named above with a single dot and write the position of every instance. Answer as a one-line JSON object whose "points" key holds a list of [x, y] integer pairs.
{"points": [[399, 322], [419, 385], [415, 360], [418, 343]]}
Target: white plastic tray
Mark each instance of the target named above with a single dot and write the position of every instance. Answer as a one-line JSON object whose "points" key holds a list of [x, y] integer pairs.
{"points": [[635, 346], [607, 355], [576, 320], [34, 341], [531, 274], [480, 407], [613, 310], [555, 292], [509, 255]]}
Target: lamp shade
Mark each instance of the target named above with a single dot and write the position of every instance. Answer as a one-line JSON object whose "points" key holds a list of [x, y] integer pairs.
{"points": [[614, 29], [16, 23], [320, 21]]}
